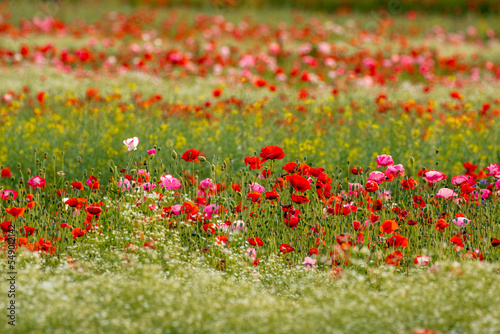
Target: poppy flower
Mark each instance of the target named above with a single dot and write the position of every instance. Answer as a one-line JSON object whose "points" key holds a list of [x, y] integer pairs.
{"points": [[77, 232], [286, 248], [299, 199], [93, 210], [394, 258], [313, 251], [236, 187], [6, 227], [255, 241], [6, 172], [253, 162], [441, 224], [77, 185], [371, 186], [254, 196], [271, 153], [397, 241], [131, 143], [446, 193], [408, 184], [93, 183], [457, 242], [272, 195], [298, 182], [418, 201], [169, 182], [217, 92], [290, 167], [434, 176], [356, 170], [384, 160], [422, 260], [376, 176], [495, 242], [191, 155], [388, 226], [28, 230], [36, 182], [9, 194], [16, 212]]}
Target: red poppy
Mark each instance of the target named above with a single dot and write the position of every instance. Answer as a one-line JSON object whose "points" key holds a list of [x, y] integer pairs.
{"points": [[371, 186], [313, 251], [290, 167], [271, 153], [418, 201], [209, 228], [217, 92], [271, 195], [254, 162], [495, 242], [93, 183], [16, 212], [77, 185], [255, 241], [459, 244], [6, 172], [94, 210], [236, 187], [394, 258], [286, 248], [299, 199], [441, 224], [356, 170], [6, 227], [77, 232], [191, 155], [254, 196], [397, 241], [30, 203], [28, 230], [298, 182], [408, 184], [388, 226]]}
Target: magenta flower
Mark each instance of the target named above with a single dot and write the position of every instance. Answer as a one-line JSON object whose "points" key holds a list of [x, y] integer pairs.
{"points": [[123, 184], [9, 194], [434, 176], [255, 187], [461, 221], [446, 193], [152, 151], [176, 209], [493, 169], [211, 209], [131, 143], [459, 179], [36, 182], [309, 263], [377, 176], [207, 184], [497, 184], [239, 226], [147, 186], [169, 182], [384, 160], [395, 170], [251, 253]]}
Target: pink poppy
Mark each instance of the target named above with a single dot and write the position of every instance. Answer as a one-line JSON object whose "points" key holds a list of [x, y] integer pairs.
{"points": [[123, 184], [36, 182], [208, 184], [396, 170], [309, 263], [446, 193], [459, 179], [384, 160], [434, 176], [9, 194], [211, 209], [461, 221], [152, 151], [422, 260], [176, 209], [377, 176], [255, 187], [131, 143], [169, 182], [493, 169]]}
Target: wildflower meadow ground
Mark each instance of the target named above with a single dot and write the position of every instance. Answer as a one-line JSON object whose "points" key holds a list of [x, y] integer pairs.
{"points": [[239, 168]]}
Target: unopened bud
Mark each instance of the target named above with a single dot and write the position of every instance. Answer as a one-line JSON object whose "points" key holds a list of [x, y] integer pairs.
{"points": [[174, 154]]}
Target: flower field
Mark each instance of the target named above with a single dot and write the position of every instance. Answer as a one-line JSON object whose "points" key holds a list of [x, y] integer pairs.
{"points": [[233, 169]]}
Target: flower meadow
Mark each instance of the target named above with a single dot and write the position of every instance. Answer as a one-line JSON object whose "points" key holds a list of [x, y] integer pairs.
{"points": [[240, 170]]}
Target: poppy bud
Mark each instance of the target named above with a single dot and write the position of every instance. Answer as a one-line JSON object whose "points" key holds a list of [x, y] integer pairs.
{"points": [[28, 171], [202, 158], [213, 168], [174, 154], [111, 170], [412, 160]]}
